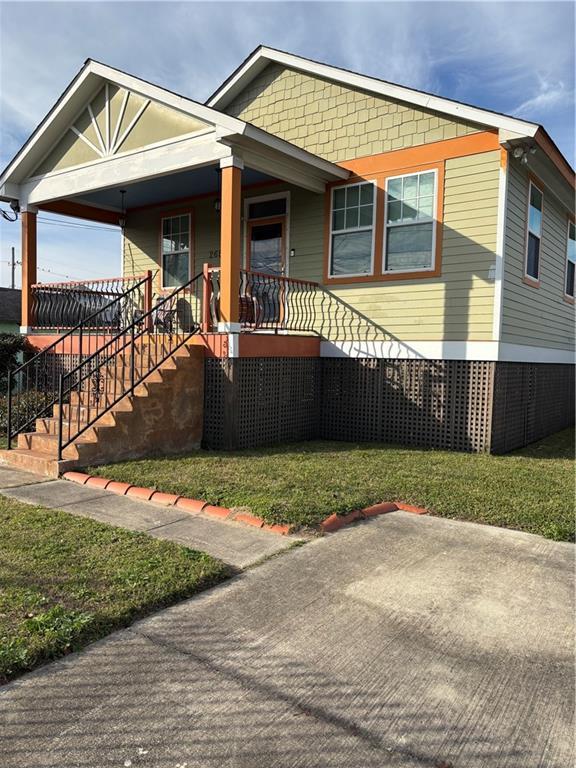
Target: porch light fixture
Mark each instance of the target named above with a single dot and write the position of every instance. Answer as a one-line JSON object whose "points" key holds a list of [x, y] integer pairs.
{"points": [[521, 153], [122, 217]]}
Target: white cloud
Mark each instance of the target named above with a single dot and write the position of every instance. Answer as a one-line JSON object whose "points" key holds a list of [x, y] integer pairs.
{"points": [[548, 96], [511, 57]]}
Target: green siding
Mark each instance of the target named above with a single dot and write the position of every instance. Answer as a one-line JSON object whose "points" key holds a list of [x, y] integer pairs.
{"points": [[458, 305], [535, 316], [337, 122]]}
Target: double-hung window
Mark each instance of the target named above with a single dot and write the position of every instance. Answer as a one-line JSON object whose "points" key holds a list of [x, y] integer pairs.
{"points": [[534, 232], [352, 239], [175, 251], [570, 259], [410, 236]]}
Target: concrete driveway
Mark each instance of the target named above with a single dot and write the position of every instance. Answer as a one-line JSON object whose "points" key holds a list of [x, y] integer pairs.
{"points": [[400, 641]]}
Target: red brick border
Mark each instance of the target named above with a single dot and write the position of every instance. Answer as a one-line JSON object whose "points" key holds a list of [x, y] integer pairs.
{"points": [[196, 506], [335, 522]]}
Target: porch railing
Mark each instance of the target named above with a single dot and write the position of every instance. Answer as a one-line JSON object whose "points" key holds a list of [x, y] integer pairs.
{"points": [[58, 306], [33, 386], [266, 302]]}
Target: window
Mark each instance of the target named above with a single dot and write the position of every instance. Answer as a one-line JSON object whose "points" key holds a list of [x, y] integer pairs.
{"points": [[534, 234], [571, 259], [175, 251], [352, 241], [267, 208], [410, 227]]}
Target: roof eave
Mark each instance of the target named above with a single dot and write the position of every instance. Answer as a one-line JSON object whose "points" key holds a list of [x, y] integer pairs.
{"points": [[263, 55]]}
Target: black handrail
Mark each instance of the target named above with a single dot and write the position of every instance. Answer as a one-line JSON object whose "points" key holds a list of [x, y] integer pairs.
{"points": [[100, 381], [36, 379]]}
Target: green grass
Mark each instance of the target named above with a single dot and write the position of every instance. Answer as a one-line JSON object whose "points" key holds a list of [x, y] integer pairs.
{"points": [[531, 490], [66, 581]]}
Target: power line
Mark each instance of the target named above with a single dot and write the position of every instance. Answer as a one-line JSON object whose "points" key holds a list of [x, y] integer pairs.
{"points": [[52, 272], [72, 224], [56, 223]]}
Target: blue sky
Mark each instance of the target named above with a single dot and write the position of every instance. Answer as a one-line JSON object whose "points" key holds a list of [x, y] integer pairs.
{"points": [[511, 57]]}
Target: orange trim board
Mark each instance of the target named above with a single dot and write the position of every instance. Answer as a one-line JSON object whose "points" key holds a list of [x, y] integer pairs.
{"points": [[437, 151], [196, 506], [380, 177]]}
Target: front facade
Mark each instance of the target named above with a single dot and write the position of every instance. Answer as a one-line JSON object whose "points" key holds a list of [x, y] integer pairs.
{"points": [[375, 263]]}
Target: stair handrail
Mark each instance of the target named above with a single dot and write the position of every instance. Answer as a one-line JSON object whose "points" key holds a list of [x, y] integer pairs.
{"points": [[157, 322], [76, 331]]}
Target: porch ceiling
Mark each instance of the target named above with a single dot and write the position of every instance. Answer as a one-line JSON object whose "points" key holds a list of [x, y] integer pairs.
{"points": [[165, 188]]}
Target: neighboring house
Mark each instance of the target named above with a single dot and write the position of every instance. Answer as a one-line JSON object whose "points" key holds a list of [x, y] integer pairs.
{"points": [[10, 310], [384, 264]]}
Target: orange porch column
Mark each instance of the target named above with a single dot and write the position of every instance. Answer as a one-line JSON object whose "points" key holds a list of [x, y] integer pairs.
{"points": [[28, 225], [230, 244]]}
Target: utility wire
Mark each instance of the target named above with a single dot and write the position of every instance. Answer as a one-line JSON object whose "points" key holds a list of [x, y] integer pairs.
{"points": [[72, 224], [52, 272], [56, 223]]}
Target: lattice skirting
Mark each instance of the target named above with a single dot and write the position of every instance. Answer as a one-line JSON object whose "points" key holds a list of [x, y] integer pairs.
{"points": [[531, 400], [451, 404]]}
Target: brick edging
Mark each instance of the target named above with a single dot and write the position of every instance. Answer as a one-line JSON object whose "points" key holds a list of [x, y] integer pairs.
{"points": [[196, 506]]}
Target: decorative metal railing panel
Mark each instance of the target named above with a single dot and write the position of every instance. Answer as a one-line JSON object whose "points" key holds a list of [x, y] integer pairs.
{"points": [[33, 386], [269, 302], [64, 305], [100, 380]]}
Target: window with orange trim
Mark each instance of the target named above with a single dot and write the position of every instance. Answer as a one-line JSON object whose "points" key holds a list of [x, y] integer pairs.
{"points": [[410, 231], [352, 230], [175, 250]]}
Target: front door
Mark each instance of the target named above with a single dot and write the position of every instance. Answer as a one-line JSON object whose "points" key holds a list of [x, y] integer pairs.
{"points": [[264, 295], [266, 249]]}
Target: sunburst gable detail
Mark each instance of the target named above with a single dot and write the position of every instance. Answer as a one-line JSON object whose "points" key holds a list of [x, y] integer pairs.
{"points": [[116, 121]]}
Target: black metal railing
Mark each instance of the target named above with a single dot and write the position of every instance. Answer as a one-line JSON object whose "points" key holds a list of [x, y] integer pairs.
{"points": [[33, 386], [99, 381], [65, 305], [270, 302]]}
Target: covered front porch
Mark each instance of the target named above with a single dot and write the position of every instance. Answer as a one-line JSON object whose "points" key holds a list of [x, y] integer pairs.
{"points": [[210, 189]]}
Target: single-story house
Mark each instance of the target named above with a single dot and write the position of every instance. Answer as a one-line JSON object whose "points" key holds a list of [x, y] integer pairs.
{"points": [[311, 252]]}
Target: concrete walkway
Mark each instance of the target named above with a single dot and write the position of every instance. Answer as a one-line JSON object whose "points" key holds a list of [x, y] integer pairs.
{"points": [[238, 545], [399, 641]]}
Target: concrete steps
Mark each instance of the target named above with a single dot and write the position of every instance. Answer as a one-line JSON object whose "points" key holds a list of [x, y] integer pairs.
{"points": [[162, 414]]}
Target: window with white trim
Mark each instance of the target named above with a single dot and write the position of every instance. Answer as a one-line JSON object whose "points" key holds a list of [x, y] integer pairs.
{"points": [[175, 251], [534, 232], [352, 236], [570, 259], [410, 236]]}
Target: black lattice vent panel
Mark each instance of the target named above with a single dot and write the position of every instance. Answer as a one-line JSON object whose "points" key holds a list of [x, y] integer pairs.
{"points": [[531, 400], [428, 403], [251, 402], [278, 400], [216, 383]]}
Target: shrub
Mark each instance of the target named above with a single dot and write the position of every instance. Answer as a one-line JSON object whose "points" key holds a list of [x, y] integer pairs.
{"points": [[24, 406], [11, 344]]}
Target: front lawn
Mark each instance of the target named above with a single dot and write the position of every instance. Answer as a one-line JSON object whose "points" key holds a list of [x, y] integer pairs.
{"points": [[66, 581], [531, 489]]}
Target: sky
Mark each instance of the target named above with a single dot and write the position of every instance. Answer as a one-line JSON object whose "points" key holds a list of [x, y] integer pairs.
{"points": [[515, 57]]}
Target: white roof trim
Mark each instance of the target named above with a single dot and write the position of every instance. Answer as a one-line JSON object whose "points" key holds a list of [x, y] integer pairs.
{"points": [[89, 81], [85, 85], [263, 56]]}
